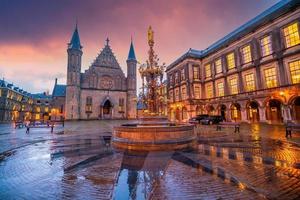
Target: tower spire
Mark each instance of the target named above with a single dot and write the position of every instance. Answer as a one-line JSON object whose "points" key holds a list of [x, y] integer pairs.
{"points": [[75, 40], [131, 54]]}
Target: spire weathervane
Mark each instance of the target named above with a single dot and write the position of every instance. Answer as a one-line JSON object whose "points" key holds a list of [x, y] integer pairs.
{"points": [[107, 41]]}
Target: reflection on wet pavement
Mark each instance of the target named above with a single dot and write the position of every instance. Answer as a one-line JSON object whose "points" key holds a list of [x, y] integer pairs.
{"points": [[76, 163]]}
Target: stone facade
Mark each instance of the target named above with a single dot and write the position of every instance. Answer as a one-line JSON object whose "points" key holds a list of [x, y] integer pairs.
{"points": [[102, 91], [251, 75]]}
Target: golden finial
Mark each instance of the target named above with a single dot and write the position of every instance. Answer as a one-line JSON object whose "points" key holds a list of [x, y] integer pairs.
{"points": [[150, 36]]}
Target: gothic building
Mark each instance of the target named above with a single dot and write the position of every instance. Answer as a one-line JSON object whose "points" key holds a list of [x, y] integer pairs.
{"points": [[250, 75], [102, 91]]}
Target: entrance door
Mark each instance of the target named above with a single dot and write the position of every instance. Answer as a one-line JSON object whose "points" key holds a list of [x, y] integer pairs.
{"points": [[274, 111], [253, 112], [296, 109], [107, 110]]}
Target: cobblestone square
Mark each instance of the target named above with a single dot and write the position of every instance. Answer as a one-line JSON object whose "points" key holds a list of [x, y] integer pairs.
{"points": [[75, 163]]}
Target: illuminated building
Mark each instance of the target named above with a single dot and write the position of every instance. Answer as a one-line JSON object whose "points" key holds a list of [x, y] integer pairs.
{"points": [[102, 91], [250, 75]]}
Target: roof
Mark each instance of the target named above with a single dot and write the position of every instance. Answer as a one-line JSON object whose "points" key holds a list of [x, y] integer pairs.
{"points": [[5, 84], [75, 41], [131, 54], [42, 95], [106, 58], [268, 15], [59, 91]]}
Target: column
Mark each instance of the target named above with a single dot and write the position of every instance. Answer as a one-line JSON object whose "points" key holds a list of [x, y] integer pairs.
{"points": [[262, 114]]}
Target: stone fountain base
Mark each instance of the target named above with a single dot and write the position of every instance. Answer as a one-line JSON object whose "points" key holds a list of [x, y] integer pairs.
{"points": [[154, 134]]}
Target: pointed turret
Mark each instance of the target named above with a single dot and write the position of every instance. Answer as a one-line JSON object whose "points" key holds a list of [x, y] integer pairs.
{"points": [[131, 54], [75, 40]]}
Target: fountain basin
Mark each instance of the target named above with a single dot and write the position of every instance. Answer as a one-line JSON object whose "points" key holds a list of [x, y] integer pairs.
{"points": [[152, 136]]}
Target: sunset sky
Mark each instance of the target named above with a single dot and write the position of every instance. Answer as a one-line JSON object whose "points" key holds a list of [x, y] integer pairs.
{"points": [[34, 33]]}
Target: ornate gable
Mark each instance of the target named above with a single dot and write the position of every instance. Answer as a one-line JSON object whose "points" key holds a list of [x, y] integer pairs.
{"points": [[106, 58]]}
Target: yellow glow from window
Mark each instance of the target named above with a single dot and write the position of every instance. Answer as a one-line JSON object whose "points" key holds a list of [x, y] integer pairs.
{"points": [[207, 71], [220, 88], [37, 116], [246, 54], [196, 72], [235, 112], [230, 61], [38, 109], [250, 82], [270, 77], [291, 35], [218, 65], [266, 45], [233, 86], [295, 71], [209, 91], [197, 91], [46, 109]]}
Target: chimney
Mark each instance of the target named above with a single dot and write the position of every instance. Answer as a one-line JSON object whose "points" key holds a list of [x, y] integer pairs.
{"points": [[55, 81]]}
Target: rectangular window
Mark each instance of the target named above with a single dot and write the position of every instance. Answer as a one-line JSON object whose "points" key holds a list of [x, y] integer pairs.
{"points": [[249, 82], [121, 105], [88, 104], [183, 93], [182, 75], [246, 54], [295, 71], [291, 35], [270, 77], [196, 72], [230, 61], [220, 89], [266, 46], [209, 91], [176, 95], [218, 66], [176, 77], [197, 92], [233, 86], [207, 71]]}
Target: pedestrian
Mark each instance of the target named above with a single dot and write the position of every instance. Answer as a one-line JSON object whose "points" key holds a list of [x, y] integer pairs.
{"points": [[27, 129], [52, 126]]}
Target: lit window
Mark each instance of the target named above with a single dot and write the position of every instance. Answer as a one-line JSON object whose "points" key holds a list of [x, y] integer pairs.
{"points": [[266, 46], [218, 65], [197, 92], [295, 71], [176, 95], [209, 91], [220, 89], [46, 109], [250, 82], [230, 61], [270, 77], [291, 35], [233, 86], [38, 109], [196, 72], [182, 75], [235, 112], [183, 93], [246, 54], [207, 71]]}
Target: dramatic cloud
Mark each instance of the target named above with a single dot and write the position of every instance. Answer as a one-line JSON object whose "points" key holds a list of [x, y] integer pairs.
{"points": [[34, 33]]}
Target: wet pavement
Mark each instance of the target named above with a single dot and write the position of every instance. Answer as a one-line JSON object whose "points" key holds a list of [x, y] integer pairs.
{"points": [[75, 162]]}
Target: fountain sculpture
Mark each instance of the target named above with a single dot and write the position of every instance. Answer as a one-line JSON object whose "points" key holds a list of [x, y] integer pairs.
{"points": [[153, 132]]}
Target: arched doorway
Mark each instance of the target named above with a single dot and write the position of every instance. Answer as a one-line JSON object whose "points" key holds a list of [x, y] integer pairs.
{"points": [[223, 111], [210, 110], [198, 110], [273, 111], [172, 115], [107, 110], [252, 111], [236, 112], [296, 109]]}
